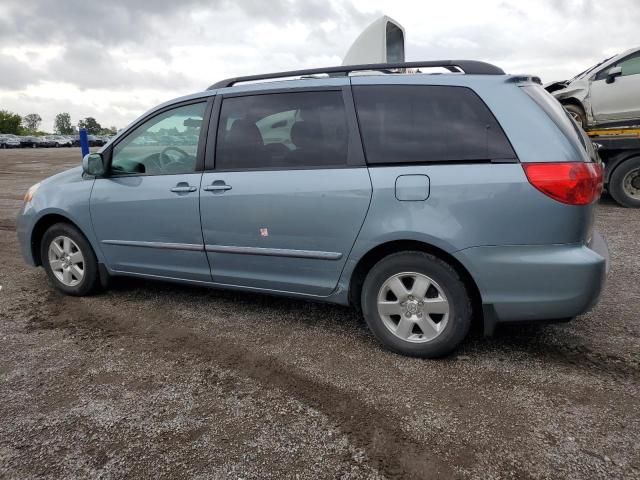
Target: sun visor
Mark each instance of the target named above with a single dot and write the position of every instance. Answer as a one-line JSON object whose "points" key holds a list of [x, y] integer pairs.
{"points": [[380, 42]]}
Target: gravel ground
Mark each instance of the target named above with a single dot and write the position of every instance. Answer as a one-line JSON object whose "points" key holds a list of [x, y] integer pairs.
{"points": [[158, 380]]}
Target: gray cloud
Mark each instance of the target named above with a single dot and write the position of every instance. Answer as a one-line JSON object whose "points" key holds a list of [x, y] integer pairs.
{"points": [[15, 74], [101, 41], [89, 66]]}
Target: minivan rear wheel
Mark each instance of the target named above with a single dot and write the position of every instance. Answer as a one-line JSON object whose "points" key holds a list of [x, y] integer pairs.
{"points": [[416, 304], [69, 260]]}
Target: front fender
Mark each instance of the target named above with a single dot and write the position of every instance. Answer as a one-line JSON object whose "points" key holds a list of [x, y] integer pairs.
{"points": [[65, 195]]}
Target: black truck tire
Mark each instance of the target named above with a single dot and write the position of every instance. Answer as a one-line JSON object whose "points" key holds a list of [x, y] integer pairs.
{"points": [[624, 183]]}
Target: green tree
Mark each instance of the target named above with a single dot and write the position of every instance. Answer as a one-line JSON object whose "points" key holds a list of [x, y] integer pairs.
{"points": [[62, 124], [10, 122], [31, 122], [109, 131], [92, 126]]}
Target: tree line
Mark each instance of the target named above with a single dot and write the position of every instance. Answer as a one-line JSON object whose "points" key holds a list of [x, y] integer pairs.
{"points": [[30, 124]]}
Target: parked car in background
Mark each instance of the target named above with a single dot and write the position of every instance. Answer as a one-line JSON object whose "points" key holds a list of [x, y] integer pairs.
{"points": [[28, 141], [46, 142], [95, 141], [421, 200], [607, 94], [9, 141], [60, 141]]}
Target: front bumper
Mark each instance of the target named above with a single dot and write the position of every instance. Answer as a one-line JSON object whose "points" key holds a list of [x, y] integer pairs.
{"points": [[24, 227], [538, 282]]}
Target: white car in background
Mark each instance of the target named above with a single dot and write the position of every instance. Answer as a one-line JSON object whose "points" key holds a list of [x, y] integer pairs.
{"points": [[605, 95], [9, 141]]}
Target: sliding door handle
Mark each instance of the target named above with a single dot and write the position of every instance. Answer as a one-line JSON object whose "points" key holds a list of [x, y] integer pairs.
{"points": [[217, 186]]}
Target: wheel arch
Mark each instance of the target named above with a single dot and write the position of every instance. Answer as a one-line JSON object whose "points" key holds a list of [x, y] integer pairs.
{"points": [[377, 253], [41, 227]]}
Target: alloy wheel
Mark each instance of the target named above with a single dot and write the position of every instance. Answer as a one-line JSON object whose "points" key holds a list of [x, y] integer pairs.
{"points": [[66, 261], [413, 307]]}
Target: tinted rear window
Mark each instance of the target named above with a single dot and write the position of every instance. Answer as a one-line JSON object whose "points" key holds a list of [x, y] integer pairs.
{"points": [[282, 130], [427, 123]]}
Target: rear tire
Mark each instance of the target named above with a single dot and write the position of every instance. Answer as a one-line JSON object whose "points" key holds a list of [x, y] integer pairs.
{"points": [[624, 183], [577, 113], [408, 319], [69, 260]]}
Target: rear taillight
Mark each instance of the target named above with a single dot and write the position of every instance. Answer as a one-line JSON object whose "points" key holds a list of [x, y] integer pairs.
{"points": [[574, 183]]}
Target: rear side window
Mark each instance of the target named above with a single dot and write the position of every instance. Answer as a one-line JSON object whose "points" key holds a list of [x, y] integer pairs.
{"points": [[283, 130], [427, 123]]}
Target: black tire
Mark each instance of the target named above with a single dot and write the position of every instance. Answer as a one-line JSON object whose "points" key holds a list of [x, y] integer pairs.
{"points": [[617, 188], [91, 278], [449, 281], [577, 113]]}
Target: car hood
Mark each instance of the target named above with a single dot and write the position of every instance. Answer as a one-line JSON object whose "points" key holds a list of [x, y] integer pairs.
{"points": [[554, 86], [68, 176], [577, 89]]}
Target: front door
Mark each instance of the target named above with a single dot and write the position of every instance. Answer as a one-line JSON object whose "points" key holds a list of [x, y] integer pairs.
{"points": [[619, 100], [289, 192], [146, 213]]}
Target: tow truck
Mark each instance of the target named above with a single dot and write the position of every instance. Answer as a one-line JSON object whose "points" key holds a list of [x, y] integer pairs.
{"points": [[619, 149]]}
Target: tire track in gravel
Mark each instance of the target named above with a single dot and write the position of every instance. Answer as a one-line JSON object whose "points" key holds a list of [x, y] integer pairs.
{"points": [[389, 449]]}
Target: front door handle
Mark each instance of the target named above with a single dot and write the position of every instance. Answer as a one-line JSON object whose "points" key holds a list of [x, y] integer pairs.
{"points": [[183, 187], [217, 186]]}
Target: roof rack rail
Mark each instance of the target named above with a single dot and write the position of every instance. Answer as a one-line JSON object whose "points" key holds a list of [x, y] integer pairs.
{"points": [[472, 67]]}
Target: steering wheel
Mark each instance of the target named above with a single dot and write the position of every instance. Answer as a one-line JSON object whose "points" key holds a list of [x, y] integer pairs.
{"points": [[166, 161]]}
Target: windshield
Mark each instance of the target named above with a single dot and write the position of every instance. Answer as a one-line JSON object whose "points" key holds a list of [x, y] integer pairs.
{"points": [[592, 68]]}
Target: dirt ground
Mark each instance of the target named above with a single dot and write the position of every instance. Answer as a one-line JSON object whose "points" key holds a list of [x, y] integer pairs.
{"points": [[157, 380]]}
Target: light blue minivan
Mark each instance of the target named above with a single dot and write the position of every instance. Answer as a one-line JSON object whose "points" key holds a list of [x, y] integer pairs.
{"points": [[423, 200]]}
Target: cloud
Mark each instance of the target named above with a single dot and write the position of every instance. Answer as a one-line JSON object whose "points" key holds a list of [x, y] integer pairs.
{"points": [[114, 59]]}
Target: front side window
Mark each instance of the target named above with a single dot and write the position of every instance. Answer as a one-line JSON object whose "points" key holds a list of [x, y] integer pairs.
{"points": [[164, 145], [427, 123], [282, 130], [631, 65]]}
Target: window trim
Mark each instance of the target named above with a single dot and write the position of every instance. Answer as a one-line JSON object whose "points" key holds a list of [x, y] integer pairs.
{"points": [[594, 78], [355, 154], [208, 101]]}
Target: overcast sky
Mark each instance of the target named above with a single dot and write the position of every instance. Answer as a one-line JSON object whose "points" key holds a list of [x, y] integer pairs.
{"points": [[115, 59]]}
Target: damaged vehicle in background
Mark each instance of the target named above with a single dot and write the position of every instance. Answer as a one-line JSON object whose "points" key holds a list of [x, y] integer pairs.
{"points": [[607, 94]]}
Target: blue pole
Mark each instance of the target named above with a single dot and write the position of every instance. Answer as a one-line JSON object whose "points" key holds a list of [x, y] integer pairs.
{"points": [[84, 142]]}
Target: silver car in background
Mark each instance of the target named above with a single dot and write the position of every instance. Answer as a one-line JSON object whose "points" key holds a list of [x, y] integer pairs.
{"points": [[607, 94]]}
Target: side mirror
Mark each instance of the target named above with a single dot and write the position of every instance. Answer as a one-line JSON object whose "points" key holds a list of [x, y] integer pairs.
{"points": [[93, 164], [612, 73]]}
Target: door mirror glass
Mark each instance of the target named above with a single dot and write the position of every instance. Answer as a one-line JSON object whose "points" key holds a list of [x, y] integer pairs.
{"points": [[93, 164], [613, 73]]}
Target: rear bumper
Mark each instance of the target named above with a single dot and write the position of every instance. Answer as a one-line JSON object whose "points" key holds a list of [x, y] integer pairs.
{"points": [[538, 282]]}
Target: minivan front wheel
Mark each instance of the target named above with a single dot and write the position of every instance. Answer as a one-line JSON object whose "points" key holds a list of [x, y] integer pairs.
{"points": [[416, 304], [69, 260]]}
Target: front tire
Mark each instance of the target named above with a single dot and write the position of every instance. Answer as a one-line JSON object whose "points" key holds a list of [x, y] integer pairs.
{"points": [[416, 305], [624, 184], [69, 260]]}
